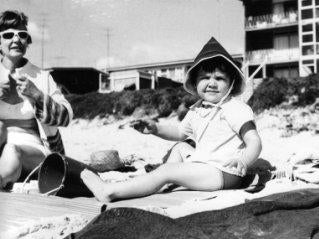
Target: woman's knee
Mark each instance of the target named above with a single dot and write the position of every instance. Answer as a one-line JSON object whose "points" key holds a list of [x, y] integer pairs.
{"points": [[11, 150], [10, 164]]}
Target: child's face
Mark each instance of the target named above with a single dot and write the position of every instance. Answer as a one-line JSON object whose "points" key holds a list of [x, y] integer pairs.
{"points": [[212, 86]]}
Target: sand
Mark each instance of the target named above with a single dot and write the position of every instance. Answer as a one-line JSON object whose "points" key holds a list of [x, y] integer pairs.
{"points": [[280, 141], [286, 135]]}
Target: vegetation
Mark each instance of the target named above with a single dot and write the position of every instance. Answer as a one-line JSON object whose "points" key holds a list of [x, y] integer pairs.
{"points": [[162, 102], [293, 92]]}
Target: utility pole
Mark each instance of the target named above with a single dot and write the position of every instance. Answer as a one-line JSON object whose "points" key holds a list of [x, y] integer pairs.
{"points": [[42, 41], [108, 49]]}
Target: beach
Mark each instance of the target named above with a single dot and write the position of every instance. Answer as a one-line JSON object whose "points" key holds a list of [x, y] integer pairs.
{"points": [[280, 140], [281, 143]]}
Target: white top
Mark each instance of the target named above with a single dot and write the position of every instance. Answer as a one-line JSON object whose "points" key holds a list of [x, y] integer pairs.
{"points": [[25, 110], [217, 136]]}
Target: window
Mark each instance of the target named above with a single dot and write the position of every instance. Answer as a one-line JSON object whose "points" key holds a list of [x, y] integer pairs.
{"points": [[307, 38], [312, 68], [307, 28], [317, 65], [306, 14], [317, 2], [317, 49], [285, 41], [307, 50], [317, 31], [317, 12], [307, 62], [306, 3]]}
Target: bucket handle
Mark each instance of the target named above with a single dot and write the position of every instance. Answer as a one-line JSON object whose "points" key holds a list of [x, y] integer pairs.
{"points": [[32, 172]]}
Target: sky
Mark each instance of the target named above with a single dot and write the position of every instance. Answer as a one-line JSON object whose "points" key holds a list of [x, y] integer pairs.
{"points": [[111, 33]]}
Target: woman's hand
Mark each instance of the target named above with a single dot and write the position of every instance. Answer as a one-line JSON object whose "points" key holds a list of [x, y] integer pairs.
{"points": [[237, 166], [4, 89], [27, 88], [145, 126]]}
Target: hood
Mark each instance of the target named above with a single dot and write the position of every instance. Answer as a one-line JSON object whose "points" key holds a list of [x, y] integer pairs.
{"points": [[212, 50]]}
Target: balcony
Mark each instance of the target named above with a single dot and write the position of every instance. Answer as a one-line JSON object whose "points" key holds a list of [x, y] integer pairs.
{"points": [[271, 21], [272, 56]]}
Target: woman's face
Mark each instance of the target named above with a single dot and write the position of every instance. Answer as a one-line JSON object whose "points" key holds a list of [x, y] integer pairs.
{"points": [[14, 42]]}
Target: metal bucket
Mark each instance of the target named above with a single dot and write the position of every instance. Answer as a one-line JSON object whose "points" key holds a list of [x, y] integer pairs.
{"points": [[60, 176]]}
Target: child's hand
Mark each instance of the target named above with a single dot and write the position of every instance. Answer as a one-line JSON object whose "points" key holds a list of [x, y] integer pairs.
{"points": [[237, 166], [145, 126]]}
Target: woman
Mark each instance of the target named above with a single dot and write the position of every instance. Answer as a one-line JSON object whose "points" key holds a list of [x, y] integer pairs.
{"points": [[31, 105]]}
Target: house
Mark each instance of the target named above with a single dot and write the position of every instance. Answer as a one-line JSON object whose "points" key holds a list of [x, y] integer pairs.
{"points": [[130, 79], [152, 75], [79, 80], [282, 36]]}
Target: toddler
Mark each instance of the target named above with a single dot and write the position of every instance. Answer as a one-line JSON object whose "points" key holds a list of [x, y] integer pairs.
{"points": [[223, 127]]}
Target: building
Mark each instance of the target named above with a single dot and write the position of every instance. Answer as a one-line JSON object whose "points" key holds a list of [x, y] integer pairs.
{"points": [[159, 75], [78, 80], [282, 38], [131, 79]]}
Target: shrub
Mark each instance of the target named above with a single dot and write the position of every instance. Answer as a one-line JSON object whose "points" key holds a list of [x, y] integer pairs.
{"points": [[269, 93], [273, 91], [163, 101], [307, 89]]}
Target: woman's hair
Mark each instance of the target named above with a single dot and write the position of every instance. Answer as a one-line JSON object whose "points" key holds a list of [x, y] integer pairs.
{"points": [[13, 19], [211, 65]]}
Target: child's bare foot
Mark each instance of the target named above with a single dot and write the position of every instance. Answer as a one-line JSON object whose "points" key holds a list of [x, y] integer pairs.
{"points": [[96, 185]]}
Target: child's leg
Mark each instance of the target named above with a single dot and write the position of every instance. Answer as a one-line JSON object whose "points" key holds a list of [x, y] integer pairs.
{"points": [[195, 176], [180, 152]]}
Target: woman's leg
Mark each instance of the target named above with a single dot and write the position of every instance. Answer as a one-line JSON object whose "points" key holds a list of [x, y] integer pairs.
{"points": [[194, 176], [14, 158], [3, 134], [10, 164], [31, 157]]}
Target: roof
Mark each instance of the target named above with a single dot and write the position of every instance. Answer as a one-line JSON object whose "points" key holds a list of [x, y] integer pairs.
{"points": [[75, 68], [160, 64]]}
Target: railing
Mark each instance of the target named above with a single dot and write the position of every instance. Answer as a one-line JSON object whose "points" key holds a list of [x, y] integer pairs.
{"points": [[273, 55], [271, 20]]}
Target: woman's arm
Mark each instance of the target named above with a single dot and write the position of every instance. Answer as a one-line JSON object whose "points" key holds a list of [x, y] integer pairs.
{"points": [[51, 108], [51, 111]]}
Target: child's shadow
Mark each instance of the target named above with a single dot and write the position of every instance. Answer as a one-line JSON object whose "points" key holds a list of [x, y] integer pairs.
{"points": [[257, 176]]}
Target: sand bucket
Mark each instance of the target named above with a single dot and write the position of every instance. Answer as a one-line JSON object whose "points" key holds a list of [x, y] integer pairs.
{"points": [[60, 176]]}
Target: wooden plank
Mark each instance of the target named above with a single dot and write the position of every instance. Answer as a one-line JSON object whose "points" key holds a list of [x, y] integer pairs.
{"points": [[16, 208]]}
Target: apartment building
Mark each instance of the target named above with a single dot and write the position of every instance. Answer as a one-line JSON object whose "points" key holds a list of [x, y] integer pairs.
{"points": [[282, 38]]}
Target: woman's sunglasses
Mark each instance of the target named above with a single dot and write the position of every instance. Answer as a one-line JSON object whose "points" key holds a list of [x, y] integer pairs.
{"points": [[10, 34]]}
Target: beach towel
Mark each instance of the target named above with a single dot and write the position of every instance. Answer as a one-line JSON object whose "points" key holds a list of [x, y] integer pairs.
{"points": [[292, 215]]}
